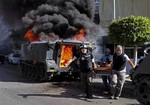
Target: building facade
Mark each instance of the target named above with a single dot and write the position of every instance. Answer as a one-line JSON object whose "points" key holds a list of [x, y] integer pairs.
{"points": [[114, 9], [122, 8]]}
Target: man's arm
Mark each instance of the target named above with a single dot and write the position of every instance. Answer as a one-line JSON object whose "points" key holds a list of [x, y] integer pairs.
{"points": [[109, 61], [129, 61], [70, 61], [131, 64], [94, 65], [93, 62]]}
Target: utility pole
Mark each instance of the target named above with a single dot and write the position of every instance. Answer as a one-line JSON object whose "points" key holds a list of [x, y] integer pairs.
{"points": [[114, 9], [114, 14]]}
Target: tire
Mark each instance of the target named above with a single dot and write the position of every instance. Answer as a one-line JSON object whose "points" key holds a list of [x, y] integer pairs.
{"points": [[143, 90]]}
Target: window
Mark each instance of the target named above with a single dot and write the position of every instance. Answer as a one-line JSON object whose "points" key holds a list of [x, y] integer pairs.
{"points": [[49, 54], [16, 55], [96, 1], [130, 52], [96, 9], [96, 6]]}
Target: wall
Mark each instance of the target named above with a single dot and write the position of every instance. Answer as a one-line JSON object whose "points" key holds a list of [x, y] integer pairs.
{"points": [[123, 8]]}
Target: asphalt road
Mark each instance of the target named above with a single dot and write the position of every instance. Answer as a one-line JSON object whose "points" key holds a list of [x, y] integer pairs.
{"points": [[16, 90]]}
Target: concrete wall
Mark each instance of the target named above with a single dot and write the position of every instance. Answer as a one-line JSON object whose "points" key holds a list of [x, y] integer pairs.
{"points": [[123, 8]]}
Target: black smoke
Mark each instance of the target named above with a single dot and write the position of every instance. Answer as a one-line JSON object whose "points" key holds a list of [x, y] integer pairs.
{"points": [[13, 10], [69, 15], [62, 17]]}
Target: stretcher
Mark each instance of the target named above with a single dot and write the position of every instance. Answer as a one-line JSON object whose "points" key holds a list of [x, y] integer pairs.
{"points": [[103, 70]]}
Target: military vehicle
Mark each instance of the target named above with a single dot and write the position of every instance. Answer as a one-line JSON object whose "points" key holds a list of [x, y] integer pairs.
{"points": [[44, 60], [141, 77]]}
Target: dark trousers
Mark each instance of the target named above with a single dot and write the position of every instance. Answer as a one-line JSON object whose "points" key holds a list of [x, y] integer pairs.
{"points": [[86, 79], [106, 81]]}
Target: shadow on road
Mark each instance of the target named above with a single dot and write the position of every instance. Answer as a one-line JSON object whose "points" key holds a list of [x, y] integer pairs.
{"points": [[72, 90]]}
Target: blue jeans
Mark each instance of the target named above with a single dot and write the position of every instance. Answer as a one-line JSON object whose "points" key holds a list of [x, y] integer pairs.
{"points": [[106, 81]]}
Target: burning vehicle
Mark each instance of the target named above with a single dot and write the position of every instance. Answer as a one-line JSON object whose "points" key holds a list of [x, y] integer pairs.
{"points": [[46, 55], [43, 60]]}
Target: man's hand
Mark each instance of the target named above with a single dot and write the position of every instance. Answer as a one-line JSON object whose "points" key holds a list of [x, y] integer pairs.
{"points": [[68, 63]]}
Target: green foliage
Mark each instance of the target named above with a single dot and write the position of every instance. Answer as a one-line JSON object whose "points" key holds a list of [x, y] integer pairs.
{"points": [[130, 30]]}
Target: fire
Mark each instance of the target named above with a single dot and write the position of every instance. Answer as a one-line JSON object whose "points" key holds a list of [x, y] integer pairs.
{"points": [[31, 36], [80, 35], [66, 54], [67, 51]]}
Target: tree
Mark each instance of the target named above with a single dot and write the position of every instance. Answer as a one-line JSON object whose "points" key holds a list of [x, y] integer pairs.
{"points": [[130, 31]]}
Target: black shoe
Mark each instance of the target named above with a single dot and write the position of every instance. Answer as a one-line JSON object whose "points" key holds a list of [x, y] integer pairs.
{"points": [[111, 97], [89, 96], [116, 97]]}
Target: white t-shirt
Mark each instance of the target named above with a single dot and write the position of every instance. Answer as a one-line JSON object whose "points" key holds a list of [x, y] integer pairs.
{"points": [[126, 56]]}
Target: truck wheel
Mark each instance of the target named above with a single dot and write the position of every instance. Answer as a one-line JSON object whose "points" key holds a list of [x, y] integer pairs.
{"points": [[143, 90]]}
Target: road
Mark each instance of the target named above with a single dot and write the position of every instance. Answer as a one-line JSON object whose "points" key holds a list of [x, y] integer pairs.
{"points": [[16, 90]]}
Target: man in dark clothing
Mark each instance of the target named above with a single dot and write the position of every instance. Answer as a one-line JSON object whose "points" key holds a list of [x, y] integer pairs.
{"points": [[119, 72], [106, 60], [86, 64]]}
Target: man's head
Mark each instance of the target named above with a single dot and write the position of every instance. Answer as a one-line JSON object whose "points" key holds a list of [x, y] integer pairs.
{"points": [[107, 51], [118, 50], [84, 49]]}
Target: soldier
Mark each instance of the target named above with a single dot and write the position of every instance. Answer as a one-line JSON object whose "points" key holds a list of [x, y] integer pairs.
{"points": [[86, 64]]}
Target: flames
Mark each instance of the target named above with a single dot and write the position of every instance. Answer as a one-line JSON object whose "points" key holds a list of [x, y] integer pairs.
{"points": [[66, 54], [80, 35], [67, 51], [31, 36]]}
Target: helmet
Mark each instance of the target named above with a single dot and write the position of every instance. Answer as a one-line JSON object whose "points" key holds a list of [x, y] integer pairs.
{"points": [[84, 49], [83, 46]]}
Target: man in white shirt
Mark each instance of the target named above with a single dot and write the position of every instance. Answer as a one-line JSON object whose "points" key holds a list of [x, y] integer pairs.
{"points": [[119, 72]]}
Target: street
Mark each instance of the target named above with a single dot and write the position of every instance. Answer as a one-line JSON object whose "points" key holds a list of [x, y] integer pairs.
{"points": [[16, 90]]}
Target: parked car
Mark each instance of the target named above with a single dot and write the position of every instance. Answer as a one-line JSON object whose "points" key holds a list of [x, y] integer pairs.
{"points": [[2, 58], [14, 58]]}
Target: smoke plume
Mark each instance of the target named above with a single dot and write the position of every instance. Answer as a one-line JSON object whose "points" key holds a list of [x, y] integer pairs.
{"points": [[62, 17], [11, 12]]}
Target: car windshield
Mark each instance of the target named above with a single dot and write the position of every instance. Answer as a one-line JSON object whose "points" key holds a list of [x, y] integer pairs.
{"points": [[16, 55]]}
